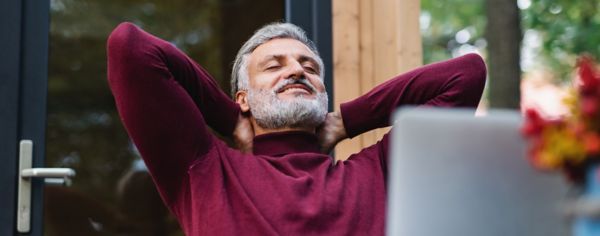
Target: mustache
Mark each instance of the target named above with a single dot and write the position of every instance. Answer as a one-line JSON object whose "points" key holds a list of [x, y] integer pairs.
{"points": [[301, 80]]}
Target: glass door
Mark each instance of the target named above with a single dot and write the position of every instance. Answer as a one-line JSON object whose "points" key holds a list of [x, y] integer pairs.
{"points": [[54, 92], [112, 193]]}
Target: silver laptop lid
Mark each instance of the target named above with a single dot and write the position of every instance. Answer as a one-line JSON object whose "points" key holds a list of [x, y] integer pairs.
{"points": [[455, 174]]}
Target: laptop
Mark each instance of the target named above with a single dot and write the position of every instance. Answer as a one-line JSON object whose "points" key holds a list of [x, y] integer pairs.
{"points": [[452, 173]]}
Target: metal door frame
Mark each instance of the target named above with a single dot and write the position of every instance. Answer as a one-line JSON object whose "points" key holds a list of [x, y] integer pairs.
{"points": [[24, 27], [314, 16]]}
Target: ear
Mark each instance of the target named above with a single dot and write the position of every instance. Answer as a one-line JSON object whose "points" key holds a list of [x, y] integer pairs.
{"points": [[241, 97]]}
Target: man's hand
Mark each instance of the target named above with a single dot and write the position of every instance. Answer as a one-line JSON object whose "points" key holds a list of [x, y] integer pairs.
{"points": [[243, 134], [331, 132]]}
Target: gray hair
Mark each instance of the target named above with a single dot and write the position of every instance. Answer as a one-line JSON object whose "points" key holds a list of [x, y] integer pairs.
{"points": [[239, 74]]}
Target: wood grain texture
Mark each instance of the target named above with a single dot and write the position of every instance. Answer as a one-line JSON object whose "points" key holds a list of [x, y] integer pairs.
{"points": [[346, 62], [373, 41]]}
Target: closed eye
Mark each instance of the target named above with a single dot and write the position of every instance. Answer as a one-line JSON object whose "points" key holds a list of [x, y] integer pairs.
{"points": [[274, 67], [310, 69], [309, 64]]}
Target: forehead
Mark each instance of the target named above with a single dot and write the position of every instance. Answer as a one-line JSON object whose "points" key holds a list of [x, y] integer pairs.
{"points": [[280, 46]]}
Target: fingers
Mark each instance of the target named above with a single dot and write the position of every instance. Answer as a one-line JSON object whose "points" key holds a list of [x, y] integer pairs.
{"points": [[243, 134]]}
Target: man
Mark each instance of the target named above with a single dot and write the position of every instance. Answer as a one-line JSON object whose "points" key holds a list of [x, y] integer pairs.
{"points": [[282, 182]]}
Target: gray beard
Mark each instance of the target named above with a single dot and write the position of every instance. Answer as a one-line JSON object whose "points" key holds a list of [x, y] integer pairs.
{"points": [[270, 112]]}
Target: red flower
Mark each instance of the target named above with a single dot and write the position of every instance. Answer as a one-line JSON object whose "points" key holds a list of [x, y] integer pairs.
{"points": [[589, 106], [590, 80], [534, 123], [591, 142]]}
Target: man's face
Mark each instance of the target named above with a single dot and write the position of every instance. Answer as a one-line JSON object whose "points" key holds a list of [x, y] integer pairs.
{"points": [[285, 88], [281, 59]]}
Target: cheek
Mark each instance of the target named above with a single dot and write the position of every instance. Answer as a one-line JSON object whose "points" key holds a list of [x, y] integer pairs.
{"points": [[318, 83], [264, 81]]}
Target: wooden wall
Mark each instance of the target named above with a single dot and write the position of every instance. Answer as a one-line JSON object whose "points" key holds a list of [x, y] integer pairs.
{"points": [[373, 40]]}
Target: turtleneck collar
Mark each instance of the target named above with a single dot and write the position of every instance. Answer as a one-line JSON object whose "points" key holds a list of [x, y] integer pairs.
{"points": [[282, 143]]}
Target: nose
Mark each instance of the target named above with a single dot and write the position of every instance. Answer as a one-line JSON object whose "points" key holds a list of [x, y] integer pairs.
{"points": [[295, 70]]}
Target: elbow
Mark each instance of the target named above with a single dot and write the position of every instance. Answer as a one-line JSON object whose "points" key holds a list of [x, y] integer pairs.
{"points": [[120, 42], [475, 72], [121, 34], [473, 79], [125, 50], [476, 66]]}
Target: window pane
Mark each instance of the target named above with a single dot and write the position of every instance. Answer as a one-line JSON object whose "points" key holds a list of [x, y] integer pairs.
{"points": [[112, 193]]}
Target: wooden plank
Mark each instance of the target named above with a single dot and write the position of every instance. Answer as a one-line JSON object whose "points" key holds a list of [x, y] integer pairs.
{"points": [[399, 47], [409, 46], [367, 67], [346, 63], [386, 38], [408, 49], [366, 46], [384, 46]]}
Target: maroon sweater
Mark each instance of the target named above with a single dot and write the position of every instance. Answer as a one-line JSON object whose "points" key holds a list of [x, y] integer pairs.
{"points": [[286, 187]]}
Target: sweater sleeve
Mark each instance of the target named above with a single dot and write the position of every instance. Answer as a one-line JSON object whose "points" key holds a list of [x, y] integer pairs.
{"points": [[457, 82], [165, 101]]}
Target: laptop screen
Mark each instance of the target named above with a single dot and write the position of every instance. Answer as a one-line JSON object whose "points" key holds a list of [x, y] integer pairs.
{"points": [[455, 174]]}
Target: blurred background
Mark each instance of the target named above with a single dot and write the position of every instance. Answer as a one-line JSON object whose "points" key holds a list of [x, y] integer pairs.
{"points": [[530, 47]]}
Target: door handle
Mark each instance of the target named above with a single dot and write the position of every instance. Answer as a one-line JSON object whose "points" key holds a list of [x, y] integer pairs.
{"points": [[60, 176], [54, 176]]}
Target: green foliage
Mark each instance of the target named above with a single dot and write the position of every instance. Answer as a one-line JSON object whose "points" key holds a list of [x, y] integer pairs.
{"points": [[568, 28], [445, 19]]}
